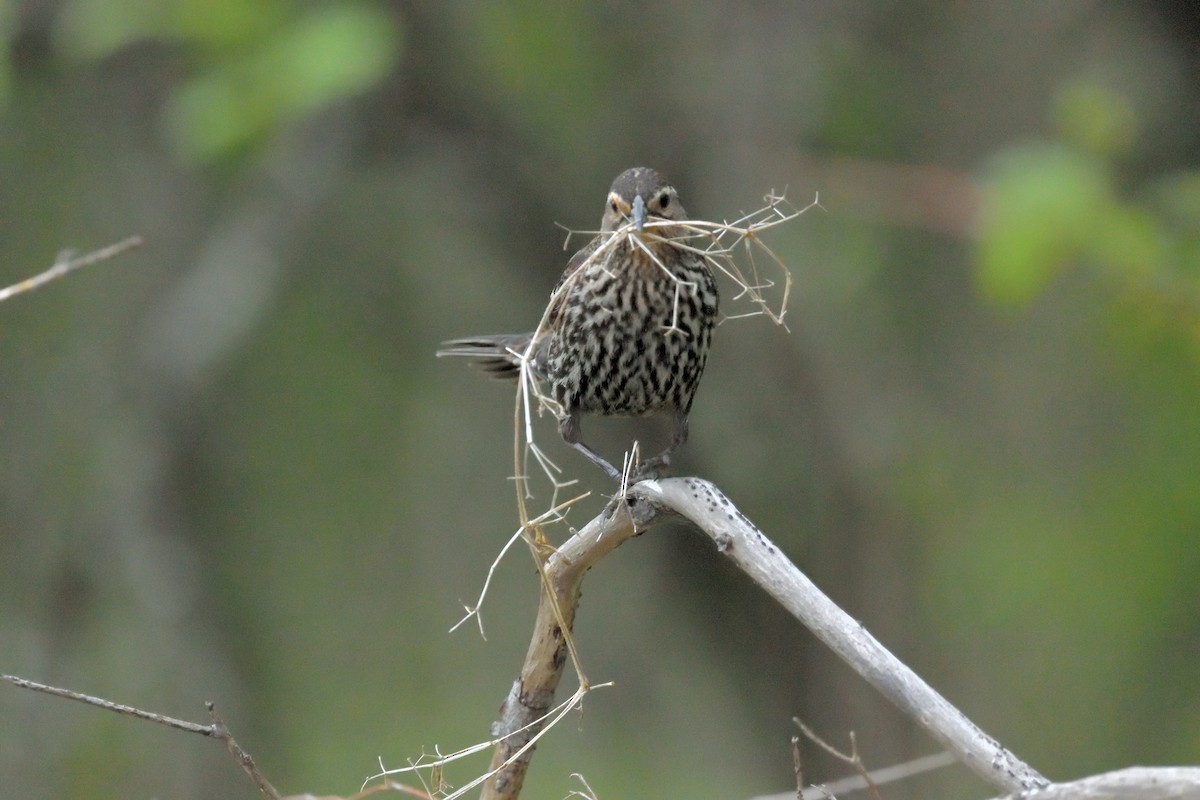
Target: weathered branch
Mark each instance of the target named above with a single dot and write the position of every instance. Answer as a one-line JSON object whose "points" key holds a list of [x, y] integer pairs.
{"points": [[740, 541], [1134, 783], [523, 713], [745, 545]]}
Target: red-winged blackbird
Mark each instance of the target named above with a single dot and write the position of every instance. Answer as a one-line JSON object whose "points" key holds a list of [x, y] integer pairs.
{"points": [[628, 326]]}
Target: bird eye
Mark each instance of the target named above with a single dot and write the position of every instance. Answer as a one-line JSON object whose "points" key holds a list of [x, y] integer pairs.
{"points": [[614, 207], [664, 200]]}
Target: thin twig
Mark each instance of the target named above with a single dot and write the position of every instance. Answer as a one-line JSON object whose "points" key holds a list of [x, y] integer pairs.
{"points": [[392, 786], [879, 777], [100, 702], [66, 264], [853, 758], [553, 514], [797, 767], [884, 775], [588, 792], [217, 730], [221, 733]]}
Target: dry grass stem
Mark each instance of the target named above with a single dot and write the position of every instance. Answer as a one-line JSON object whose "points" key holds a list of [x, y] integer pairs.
{"points": [[554, 514], [588, 792], [853, 758], [438, 762]]}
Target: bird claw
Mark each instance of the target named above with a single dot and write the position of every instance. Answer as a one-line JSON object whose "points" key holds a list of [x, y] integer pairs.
{"points": [[650, 469]]}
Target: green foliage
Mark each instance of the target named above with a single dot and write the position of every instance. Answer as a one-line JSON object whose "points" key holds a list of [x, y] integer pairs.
{"points": [[1043, 207], [1096, 119], [1049, 206], [90, 29], [258, 65], [530, 61]]}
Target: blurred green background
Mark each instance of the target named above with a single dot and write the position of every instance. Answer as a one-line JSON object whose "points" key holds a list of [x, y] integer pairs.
{"points": [[232, 469]]}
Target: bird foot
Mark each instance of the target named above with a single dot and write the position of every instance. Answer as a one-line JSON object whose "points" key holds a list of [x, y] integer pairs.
{"points": [[650, 469]]}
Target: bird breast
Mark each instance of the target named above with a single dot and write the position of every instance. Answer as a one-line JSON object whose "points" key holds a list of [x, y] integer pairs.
{"points": [[632, 333]]}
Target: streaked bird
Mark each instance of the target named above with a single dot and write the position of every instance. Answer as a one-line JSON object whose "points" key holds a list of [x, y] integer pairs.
{"points": [[628, 327]]}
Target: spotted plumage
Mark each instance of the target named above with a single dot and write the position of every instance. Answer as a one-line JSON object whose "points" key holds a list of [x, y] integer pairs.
{"points": [[628, 327]]}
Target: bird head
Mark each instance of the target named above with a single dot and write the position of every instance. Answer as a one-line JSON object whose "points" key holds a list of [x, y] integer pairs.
{"points": [[640, 195]]}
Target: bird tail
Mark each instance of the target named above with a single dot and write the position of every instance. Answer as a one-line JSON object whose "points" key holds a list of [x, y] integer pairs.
{"points": [[498, 355]]}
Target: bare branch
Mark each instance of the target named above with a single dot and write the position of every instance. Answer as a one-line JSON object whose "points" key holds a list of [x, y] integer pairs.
{"points": [[744, 544], [738, 539], [100, 702], [221, 733], [66, 264], [217, 730], [853, 758], [1134, 783], [525, 708]]}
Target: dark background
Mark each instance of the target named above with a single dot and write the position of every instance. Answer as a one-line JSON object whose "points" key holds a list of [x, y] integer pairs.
{"points": [[232, 470]]}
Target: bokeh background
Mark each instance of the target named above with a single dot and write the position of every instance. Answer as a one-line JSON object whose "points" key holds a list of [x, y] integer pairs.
{"points": [[232, 470]]}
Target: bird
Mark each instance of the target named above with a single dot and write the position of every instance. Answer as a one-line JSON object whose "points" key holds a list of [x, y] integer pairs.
{"points": [[628, 326]]}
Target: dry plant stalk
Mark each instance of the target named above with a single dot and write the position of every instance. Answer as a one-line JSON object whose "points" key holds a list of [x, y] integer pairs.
{"points": [[853, 758]]}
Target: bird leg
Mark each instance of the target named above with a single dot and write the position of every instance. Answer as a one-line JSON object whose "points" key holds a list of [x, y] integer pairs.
{"points": [[570, 431], [649, 467]]}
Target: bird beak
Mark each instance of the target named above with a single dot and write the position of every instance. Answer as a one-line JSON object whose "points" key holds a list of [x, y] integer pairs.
{"points": [[639, 212]]}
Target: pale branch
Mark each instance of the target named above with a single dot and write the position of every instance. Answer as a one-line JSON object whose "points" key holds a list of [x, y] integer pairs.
{"points": [[1132, 783], [524, 710], [217, 730], [745, 545], [67, 263], [739, 540]]}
